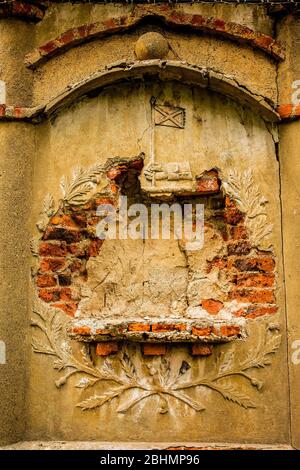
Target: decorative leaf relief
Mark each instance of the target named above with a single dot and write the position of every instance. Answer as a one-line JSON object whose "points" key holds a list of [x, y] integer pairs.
{"points": [[141, 379], [127, 366], [48, 211], [34, 246], [243, 190], [77, 191], [230, 393]]}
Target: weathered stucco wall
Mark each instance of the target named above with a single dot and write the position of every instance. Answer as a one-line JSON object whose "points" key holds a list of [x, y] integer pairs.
{"points": [[289, 139], [78, 137], [17, 149], [111, 118]]}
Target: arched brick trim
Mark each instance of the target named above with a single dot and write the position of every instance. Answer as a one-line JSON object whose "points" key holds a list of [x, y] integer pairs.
{"points": [[22, 9], [164, 70], [170, 17], [289, 112]]}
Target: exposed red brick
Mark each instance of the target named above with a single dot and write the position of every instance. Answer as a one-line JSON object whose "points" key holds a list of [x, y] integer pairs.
{"points": [[138, 327], [102, 332], [254, 312], [94, 247], [116, 172], [81, 330], [67, 37], [254, 296], [220, 263], [137, 164], [51, 249], [101, 201], [65, 293], [254, 279], [53, 295], [114, 188], [212, 306], [197, 331], [69, 307], [255, 264], [200, 349], [77, 265], [165, 327], [64, 220], [208, 183], [238, 232], [79, 220], [57, 233], [18, 112], [238, 248], [107, 348], [64, 279], [240, 313], [288, 111], [52, 264], [77, 250], [49, 295], [93, 220], [21, 9], [230, 330], [48, 48], [154, 349], [2, 110], [171, 17], [232, 214], [45, 280]]}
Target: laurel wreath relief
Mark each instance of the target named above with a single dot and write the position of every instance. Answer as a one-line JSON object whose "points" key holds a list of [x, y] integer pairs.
{"points": [[243, 190], [129, 372], [130, 378]]}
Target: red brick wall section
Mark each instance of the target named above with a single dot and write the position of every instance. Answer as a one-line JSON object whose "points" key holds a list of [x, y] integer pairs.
{"points": [[70, 240], [24, 10], [252, 276]]}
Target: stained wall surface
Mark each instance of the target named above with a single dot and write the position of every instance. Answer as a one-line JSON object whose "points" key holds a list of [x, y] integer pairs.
{"points": [[90, 105]]}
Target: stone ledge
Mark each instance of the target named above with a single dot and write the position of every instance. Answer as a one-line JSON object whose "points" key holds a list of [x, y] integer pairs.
{"points": [[157, 330], [96, 445]]}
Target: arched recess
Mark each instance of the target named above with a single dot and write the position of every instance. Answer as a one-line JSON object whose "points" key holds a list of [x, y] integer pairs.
{"points": [[220, 134]]}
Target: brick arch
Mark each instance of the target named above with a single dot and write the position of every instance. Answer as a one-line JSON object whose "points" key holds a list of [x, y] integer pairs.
{"points": [[25, 10], [168, 17]]}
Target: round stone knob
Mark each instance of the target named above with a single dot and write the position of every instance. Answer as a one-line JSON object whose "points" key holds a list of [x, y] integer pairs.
{"points": [[151, 46]]}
